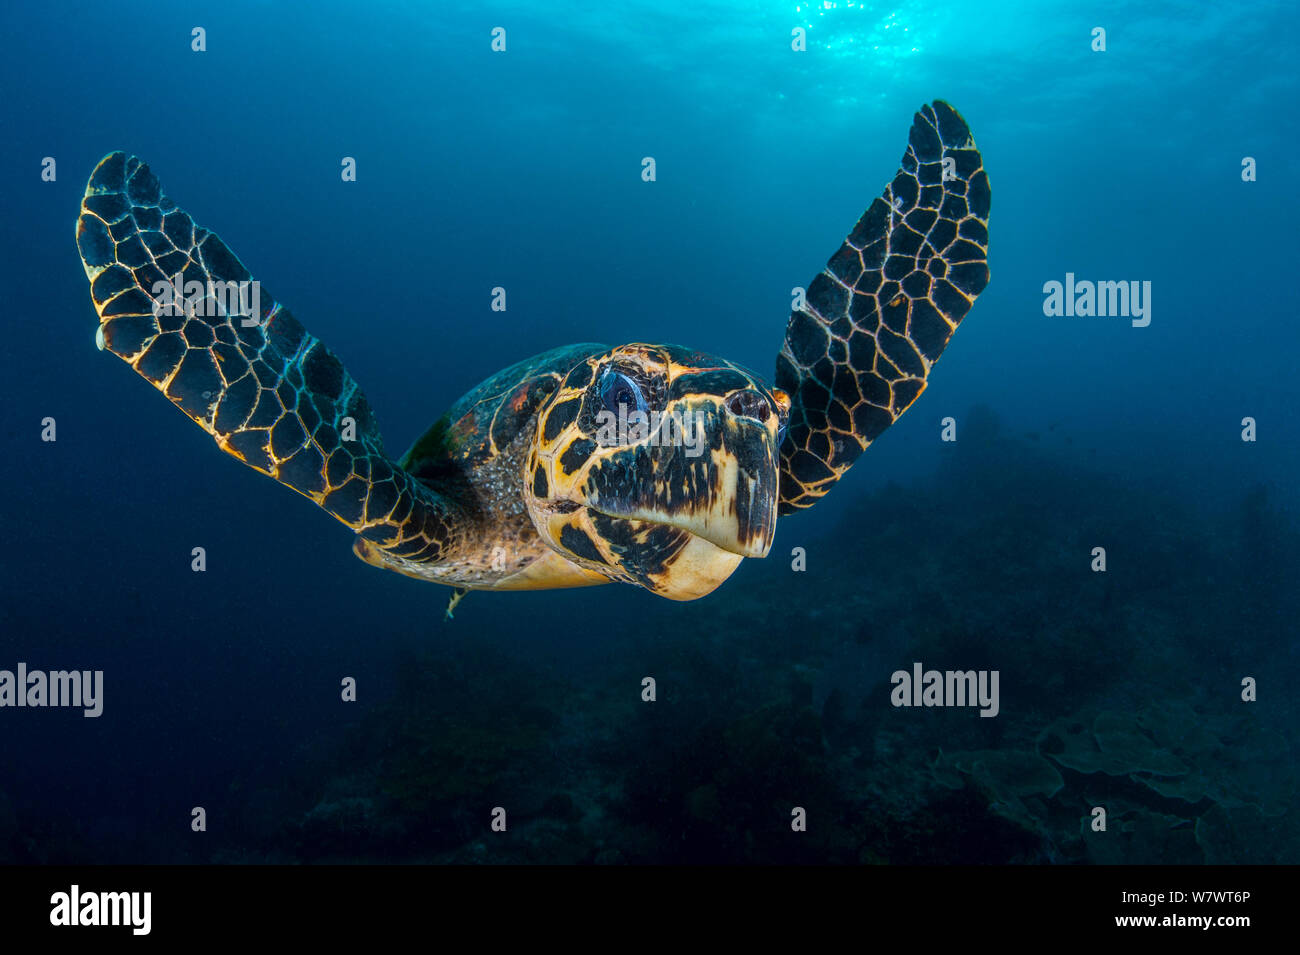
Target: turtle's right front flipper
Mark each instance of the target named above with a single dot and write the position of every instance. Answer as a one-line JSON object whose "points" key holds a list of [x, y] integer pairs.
{"points": [[860, 347], [241, 367]]}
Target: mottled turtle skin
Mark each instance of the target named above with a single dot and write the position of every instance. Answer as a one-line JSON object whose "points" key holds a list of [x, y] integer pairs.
{"points": [[523, 484]]}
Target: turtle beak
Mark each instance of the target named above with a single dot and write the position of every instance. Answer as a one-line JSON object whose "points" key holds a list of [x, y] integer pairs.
{"points": [[715, 477]]}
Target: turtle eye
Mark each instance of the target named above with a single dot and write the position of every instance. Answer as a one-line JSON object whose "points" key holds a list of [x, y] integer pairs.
{"points": [[618, 390]]}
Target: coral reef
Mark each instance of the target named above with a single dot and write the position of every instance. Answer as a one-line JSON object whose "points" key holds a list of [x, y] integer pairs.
{"points": [[1120, 690]]}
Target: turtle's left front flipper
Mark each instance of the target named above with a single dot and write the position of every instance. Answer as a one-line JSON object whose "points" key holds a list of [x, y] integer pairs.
{"points": [[875, 320], [176, 305]]}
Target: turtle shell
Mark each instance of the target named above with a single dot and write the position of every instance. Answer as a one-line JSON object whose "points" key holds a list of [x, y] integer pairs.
{"points": [[487, 420]]}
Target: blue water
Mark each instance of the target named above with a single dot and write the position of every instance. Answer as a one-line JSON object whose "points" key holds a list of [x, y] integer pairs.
{"points": [[522, 169]]}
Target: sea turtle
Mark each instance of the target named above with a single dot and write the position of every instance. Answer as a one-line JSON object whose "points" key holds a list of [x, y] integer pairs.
{"points": [[576, 466]]}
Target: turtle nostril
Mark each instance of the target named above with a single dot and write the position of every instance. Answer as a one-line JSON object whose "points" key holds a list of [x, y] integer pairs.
{"points": [[748, 404]]}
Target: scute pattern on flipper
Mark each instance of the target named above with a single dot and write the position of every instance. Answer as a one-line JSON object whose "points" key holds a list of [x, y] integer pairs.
{"points": [[268, 391], [882, 311]]}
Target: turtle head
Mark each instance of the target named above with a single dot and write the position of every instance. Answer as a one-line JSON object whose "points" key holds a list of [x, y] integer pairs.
{"points": [[658, 465]]}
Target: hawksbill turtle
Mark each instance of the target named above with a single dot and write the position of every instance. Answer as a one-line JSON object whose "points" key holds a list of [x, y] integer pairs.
{"points": [[574, 467]]}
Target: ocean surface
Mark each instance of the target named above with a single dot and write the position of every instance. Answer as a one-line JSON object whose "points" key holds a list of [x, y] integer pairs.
{"points": [[1158, 691]]}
